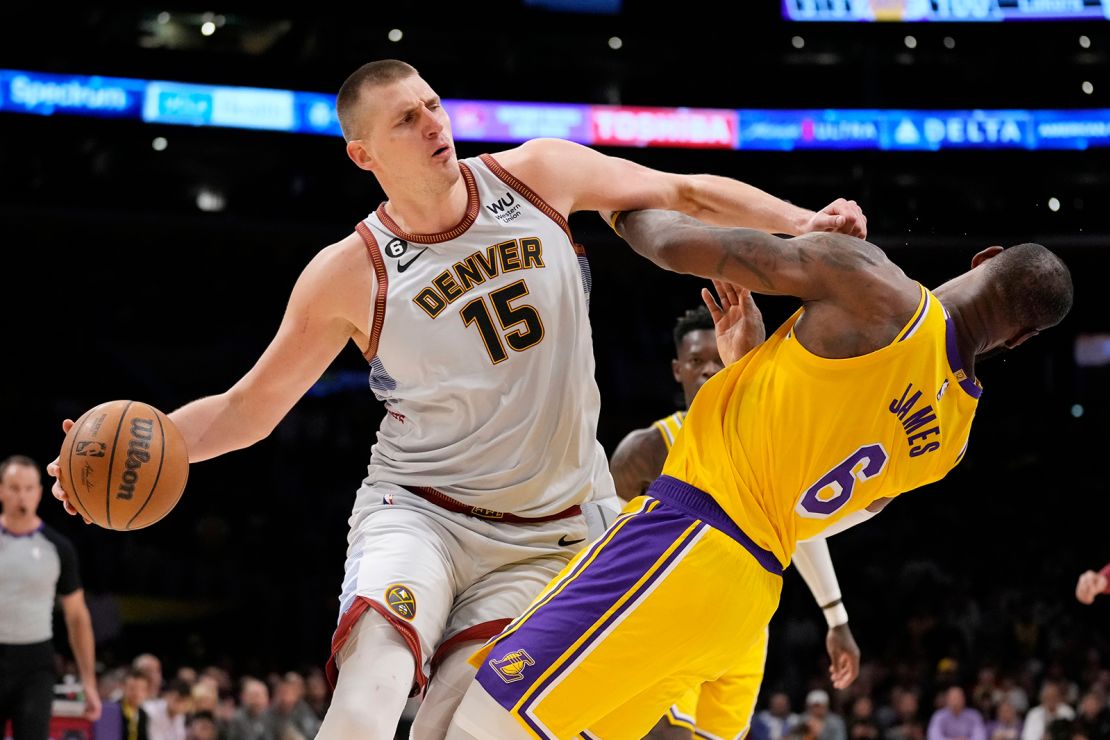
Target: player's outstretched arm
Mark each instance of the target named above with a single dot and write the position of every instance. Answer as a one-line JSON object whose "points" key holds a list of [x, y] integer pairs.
{"points": [[335, 288], [572, 177]]}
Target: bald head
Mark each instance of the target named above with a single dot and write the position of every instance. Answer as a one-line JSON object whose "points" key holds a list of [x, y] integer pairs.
{"points": [[1034, 285], [363, 79]]}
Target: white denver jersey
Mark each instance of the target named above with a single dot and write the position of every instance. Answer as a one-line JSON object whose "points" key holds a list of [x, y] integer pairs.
{"points": [[481, 350]]}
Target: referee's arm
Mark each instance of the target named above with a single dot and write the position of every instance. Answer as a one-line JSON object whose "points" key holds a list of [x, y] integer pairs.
{"points": [[79, 629]]}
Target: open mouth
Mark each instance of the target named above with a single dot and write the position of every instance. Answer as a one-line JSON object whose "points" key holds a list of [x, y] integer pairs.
{"points": [[441, 151]]}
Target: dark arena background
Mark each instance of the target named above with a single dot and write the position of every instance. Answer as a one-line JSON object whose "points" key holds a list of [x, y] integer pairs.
{"points": [[150, 246]]}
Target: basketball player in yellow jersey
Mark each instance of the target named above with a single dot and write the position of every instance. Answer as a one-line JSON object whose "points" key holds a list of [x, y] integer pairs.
{"points": [[702, 339], [868, 391]]}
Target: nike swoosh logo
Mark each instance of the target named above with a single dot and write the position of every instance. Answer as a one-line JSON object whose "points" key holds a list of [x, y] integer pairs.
{"points": [[402, 266], [564, 542]]}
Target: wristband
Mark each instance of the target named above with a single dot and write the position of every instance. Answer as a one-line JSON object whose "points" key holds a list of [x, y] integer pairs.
{"points": [[835, 614]]}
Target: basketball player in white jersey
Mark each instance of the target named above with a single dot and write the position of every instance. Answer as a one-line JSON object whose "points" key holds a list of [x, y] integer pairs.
{"points": [[468, 296]]}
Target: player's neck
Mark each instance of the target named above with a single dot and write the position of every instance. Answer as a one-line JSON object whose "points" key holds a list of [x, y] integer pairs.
{"points": [[428, 210], [970, 328], [20, 525]]}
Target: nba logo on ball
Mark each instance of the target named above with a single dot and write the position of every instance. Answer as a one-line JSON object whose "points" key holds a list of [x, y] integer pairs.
{"points": [[90, 448], [511, 667], [401, 600]]}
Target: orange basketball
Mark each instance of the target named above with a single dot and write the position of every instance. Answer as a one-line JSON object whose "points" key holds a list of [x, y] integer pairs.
{"points": [[124, 465]]}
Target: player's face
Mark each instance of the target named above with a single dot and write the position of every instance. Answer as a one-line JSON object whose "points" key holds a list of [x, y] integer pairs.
{"points": [[697, 362], [20, 491], [408, 133]]}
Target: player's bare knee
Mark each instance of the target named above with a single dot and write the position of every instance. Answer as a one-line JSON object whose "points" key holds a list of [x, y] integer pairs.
{"points": [[479, 717]]}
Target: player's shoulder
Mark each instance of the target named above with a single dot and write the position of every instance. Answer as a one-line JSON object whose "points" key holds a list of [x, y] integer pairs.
{"points": [[646, 439], [536, 155]]}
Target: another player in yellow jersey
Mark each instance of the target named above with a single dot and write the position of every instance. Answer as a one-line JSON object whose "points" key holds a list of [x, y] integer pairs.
{"points": [[868, 391], [701, 339]]}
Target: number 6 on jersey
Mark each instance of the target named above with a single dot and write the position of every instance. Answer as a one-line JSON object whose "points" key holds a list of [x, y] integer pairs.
{"points": [[476, 312], [828, 495]]}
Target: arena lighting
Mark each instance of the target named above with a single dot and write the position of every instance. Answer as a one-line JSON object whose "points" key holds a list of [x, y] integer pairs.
{"points": [[1088, 88], [798, 42], [911, 42], [615, 42], [208, 28], [396, 34], [990, 11], [290, 111], [1085, 42], [949, 42], [163, 18], [1054, 204], [159, 144]]}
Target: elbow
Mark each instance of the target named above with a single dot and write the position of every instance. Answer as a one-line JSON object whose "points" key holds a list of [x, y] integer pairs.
{"points": [[689, 196], [255, 423]]}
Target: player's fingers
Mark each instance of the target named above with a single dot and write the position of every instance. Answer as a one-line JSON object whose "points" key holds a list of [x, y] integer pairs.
{"points": [[722, 292], [67, 425], [828, 222], [711, 304], [53, 468], [733, 295]]}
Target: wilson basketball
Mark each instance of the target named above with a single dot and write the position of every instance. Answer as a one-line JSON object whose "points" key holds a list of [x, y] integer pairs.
{"points": [[124, 465]]}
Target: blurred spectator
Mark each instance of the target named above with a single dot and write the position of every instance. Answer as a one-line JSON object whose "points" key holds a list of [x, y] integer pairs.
{"points": [[987, 694], [290, 715], [1093, 718], [151, 667], [818, 723], [188, 675], [1050, 709], [776, 721], [167, 717], [1013, 693], [1006, 725], [861, 722], [126, 719], [250, 719], [955, 720], [902, 719], [202, 726]]}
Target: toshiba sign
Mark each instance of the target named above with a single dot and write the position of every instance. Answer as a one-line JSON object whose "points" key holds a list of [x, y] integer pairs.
{"points": [[688, 127]]}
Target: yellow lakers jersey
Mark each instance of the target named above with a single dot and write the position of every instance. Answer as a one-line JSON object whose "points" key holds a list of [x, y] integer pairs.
{"points": [[669, 427], [788, 442]]}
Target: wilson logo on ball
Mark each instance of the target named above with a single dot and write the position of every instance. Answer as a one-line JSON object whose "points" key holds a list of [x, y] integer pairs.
{"points": [[138, 452]]}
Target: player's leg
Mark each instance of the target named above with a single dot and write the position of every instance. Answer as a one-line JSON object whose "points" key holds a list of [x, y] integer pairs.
{"points": [[376, 673], [650, 610], [679, 721], [508, 565], [397, 592], [726, 706]]}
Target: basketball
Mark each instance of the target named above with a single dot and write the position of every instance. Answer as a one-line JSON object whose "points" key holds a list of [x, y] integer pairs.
{"points": [[124, 465]]}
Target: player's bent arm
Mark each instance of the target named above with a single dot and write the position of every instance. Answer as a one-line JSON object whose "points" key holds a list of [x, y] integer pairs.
{"points": [[572, 177], [850, 520], [324, 310], [637, 462], [812, 267]]}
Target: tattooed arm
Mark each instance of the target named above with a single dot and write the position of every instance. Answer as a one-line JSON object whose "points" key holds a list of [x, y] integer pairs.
{"points": [[856, 299]]}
